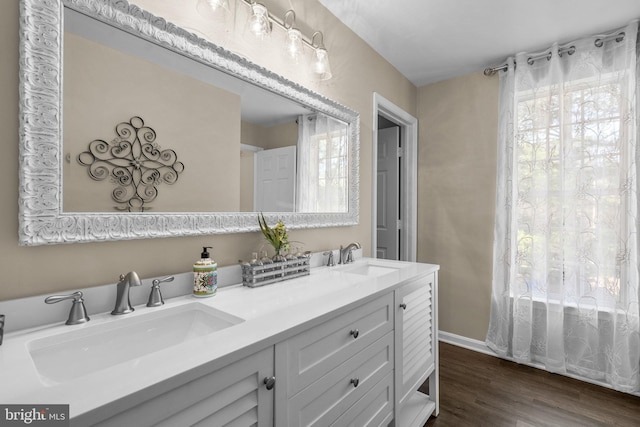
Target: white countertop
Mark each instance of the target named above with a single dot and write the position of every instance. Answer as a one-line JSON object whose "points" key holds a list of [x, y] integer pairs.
{"points": [[271, 314]]}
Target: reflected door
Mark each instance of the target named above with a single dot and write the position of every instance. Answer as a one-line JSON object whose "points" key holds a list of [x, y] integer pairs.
{"points": [[388, 246], [275, 177]]}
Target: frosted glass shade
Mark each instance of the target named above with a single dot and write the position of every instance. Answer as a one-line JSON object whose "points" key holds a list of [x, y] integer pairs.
{"points": [[321, 64], [258, 23], [293, 44]]}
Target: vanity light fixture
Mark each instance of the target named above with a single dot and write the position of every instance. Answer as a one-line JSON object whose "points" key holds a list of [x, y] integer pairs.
{"points": [[259, 24], [321, 62], [293, 43]]}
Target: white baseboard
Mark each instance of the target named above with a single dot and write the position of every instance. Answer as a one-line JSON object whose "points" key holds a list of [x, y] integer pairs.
{"points": [[464, 342]]}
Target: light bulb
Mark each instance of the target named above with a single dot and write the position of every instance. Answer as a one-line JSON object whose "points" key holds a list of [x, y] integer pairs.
{"points": [[258, 22], [293, 44], [216, 15], [321, 64], [217, 4]]}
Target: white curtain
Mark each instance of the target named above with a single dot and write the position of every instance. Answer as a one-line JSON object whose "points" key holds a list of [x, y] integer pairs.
{"points": [[322, 164], [565, 273]]}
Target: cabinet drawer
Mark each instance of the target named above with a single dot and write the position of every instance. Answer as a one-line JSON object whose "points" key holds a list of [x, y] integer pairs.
{"points": [[374, 409], [315, 352], [326, 400]]}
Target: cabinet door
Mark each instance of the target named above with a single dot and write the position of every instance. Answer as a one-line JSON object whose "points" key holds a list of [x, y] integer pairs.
{"points": [[235, 395], [416, 337]]}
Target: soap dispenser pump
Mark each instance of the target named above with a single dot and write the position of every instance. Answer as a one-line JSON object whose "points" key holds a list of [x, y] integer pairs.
{"points": [[205, 275]]}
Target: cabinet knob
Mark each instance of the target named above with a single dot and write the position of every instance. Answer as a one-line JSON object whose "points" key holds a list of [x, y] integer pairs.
{"points": [[355, 333], [270, 382], [403, 306], [355, 382]]}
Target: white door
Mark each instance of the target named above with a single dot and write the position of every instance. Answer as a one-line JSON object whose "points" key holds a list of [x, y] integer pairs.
{"points": [[275, 180], [388, 214]]}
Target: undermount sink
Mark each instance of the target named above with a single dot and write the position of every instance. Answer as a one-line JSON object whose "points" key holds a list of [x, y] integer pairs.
{"points": [[369, 268], [74, 354]]}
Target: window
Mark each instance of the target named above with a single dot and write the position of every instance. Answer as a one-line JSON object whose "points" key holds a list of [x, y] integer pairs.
{"points": [[565, 259], [330, 163], [323, 165], [570, 161]]}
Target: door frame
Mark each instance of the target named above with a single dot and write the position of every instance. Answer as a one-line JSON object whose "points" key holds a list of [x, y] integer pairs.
{"points": [[408, 175]]}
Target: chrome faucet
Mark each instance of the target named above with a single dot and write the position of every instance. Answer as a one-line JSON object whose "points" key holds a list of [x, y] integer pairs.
{"points": [[346, 254], [123, 304]]}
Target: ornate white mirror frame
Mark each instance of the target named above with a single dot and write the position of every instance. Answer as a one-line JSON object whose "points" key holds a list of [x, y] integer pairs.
{"points": [[41, 216]]}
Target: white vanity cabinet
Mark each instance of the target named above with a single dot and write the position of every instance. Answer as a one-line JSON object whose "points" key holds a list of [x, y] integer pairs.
{"points": [[234, 395], [339, 372], [345, 347], [416, 346]]}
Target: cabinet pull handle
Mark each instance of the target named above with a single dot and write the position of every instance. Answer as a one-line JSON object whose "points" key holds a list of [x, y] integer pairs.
{"points": [[403, 306], [355, 333], [270, 382], [355, 382]]}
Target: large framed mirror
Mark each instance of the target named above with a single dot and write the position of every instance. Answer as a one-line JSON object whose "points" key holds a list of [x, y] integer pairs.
{"points": [[95, 73]]}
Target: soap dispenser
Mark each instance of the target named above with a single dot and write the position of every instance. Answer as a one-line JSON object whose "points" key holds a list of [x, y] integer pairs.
{"points": [[205, 275]]}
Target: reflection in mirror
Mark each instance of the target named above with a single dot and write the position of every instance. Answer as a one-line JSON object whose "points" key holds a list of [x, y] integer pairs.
{"points": [[122, 62], [199, 121], [307, 171], [241, 154], [323, 159], [135, 163]]}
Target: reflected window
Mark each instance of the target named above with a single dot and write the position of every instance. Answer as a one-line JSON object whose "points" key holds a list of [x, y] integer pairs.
{"points": [[322, 164]]}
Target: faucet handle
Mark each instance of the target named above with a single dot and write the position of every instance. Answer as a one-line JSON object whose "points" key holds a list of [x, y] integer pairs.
{"points": [[330, 261], [155, 297], [78, 313]]}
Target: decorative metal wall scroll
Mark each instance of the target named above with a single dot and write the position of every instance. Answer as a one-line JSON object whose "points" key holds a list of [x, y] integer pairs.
{"points": [[135, 164]]}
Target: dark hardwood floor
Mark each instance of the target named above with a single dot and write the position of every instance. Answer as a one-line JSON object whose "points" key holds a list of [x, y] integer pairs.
{"points": [[481, 390]]}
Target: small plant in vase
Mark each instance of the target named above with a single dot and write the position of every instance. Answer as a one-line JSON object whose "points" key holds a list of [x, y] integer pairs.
{"points": [[276, 236]]}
